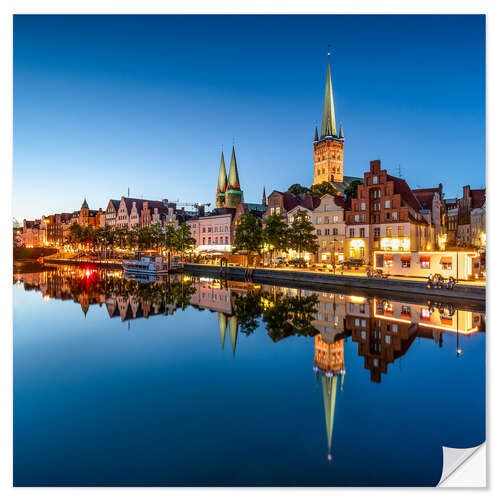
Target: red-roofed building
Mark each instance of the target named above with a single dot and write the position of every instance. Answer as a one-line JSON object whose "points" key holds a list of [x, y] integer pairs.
{"points": [[386, 215]]}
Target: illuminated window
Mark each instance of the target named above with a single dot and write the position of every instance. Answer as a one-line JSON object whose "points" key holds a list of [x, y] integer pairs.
{"points": [[388, 231], [387, 203]]}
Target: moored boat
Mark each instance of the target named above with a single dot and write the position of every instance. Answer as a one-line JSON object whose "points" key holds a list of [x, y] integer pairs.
{"points": [[151, 265]]}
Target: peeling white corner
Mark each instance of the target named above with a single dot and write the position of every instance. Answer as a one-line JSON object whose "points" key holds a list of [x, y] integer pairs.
{"points": [[464, 467]]}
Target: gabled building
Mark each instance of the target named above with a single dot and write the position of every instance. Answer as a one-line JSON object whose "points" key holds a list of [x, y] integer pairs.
{"points": [[386, 215], [88, 217], [471, 199], [434, 211]]}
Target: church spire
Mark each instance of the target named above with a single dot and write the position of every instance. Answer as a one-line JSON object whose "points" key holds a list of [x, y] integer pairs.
{"points": [[233, 331], [233, 181], [222, 175], [264, 198], [316, 138], [341, 132], [222, 328], [328, 124], [329, 384]]}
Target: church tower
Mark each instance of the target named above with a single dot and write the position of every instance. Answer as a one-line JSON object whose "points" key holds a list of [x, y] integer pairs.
{"points": [[234, 194], [329, 146], [220, 197]]}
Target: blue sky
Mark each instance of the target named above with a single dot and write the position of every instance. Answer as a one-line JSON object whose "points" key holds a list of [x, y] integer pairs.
{"points": [[106, 103]]}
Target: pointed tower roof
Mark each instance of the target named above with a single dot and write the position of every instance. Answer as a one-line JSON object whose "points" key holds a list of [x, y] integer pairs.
{"points": [[222, 328], [85, 204], [328, 124], [316, 138], [222, 182], [264, 198], [233, 331], [329, 396], [233, 180], [341, 131]]}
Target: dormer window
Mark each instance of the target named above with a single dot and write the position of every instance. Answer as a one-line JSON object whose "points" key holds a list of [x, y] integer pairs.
{"points": [[375, 179]]}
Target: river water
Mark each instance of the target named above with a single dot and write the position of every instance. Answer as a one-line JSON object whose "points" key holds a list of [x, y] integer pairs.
{"points": [[198, 381]]}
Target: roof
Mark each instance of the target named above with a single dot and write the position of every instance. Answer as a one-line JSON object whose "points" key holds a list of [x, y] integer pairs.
{"points": [[289, 200], [478, 197], [256, 206], [222, 181], [310, 202], [340, 186], [402, 188], [426, 195], [328, 124], [115, 203], [233, 179], [85, 204], [129, 202]]}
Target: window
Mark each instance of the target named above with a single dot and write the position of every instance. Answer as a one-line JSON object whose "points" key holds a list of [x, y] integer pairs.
{"points": [[362, 308], [387, 203], [335, 218], [356, 218], [327, 208], [401, 231], [362, 232], [203, 241], [319, 317], [387, 216], [356, 322], [318, 232], [278, 210], [227, 240], [394, 216], [203, 230], [209, 240], [319, 220], [405, 263], [351, 232], [375, 362], [323, 244], [327, 220], [375, 179], [363, 334], [335, 231], [376, 232], [395, 328], [363, 218], [387, 339], [388, 231], [363, 205], [327, 232]]}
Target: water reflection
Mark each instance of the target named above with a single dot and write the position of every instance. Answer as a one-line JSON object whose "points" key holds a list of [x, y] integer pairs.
{"points": [[383, 330]]}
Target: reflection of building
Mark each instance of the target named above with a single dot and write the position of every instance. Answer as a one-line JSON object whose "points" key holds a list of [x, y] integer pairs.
{"points": [[329, 363]]}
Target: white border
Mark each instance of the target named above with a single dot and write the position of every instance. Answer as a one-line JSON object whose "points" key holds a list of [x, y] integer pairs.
{"points": [[216, 6]]}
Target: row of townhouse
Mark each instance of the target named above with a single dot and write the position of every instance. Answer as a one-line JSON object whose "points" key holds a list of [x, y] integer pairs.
{"points": [[466, 219], [386, 215]]}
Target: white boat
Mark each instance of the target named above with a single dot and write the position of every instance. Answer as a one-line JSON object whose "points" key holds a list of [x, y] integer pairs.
{"points": [[152, 265]]}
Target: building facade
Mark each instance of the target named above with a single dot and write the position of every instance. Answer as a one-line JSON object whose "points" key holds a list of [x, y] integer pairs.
{"points": [[386, 215], [328, 219]]}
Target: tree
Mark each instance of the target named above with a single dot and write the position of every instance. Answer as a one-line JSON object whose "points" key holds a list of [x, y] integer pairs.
{"points": [[274, 234], [75, 234], [301, 235], [325, 187], [182, 239], [248, 235], [169, 236], [297, 190], [352, 189]]}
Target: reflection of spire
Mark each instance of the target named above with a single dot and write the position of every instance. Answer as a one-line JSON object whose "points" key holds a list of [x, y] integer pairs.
{"points": [[222, 328], [233, 330], [329, 384]]}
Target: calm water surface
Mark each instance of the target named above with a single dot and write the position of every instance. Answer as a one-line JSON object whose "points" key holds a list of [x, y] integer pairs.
{"points": [[202, 382]]}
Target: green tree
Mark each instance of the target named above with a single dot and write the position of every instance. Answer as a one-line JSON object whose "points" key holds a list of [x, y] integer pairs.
{"points": [[274, 234], [301, 235], [325, 187], [169, 237], [248, 235], [297, 190], [183, 241], [157, 236], [352, 189]]}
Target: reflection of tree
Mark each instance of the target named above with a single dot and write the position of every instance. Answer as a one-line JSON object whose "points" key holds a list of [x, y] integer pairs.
{"points": [[283, 316]]}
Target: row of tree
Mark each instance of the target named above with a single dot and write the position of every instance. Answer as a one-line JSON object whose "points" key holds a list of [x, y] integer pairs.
{"points": [[275, 235], [141, 238], [319, 190]]}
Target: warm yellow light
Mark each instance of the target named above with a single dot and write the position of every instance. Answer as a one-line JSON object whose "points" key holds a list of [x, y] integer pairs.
{"points": [[395, 243], [357, 300], [357, 243]]}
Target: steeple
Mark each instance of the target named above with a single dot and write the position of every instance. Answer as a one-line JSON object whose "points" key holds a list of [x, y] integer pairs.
{"points": [[85, 204], [222, 328], [329, 384], [222, 182], [341, 132], [233, 331], [233, 180], [328, 124], [264, 198], [316, 138]]}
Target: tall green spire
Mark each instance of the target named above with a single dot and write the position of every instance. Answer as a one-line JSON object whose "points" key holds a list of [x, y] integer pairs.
{"points": [[222, 175], [222, 328], [341, 132], [233, 180], [316, 138], [328, 124], [329, 396], [233, 331]]}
